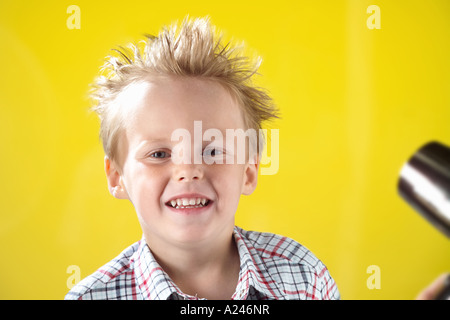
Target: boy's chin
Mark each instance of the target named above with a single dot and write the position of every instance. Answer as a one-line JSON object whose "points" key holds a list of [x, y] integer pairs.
{"points": [[193, 235], [198, 235]]}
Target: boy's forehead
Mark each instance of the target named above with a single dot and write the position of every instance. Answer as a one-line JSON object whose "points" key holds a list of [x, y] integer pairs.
{"points": [[167, 103]]}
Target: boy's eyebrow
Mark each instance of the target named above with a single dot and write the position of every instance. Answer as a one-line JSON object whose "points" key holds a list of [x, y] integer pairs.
{"points": [[152, 140], [146, 142]]}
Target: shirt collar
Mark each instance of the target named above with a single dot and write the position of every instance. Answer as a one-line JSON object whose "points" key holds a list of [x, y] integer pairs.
{"points": [[155, 284], [151, 280], [253, 276]]}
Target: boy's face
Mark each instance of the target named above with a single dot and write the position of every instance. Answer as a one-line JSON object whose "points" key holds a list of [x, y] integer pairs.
{"points": [[178, 203]]}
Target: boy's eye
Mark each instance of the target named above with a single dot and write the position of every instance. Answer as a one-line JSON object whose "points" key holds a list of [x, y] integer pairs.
{"points": [[213, 152], [159, 154]]}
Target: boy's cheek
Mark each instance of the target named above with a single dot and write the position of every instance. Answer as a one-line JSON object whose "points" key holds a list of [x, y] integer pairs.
{"points": [[229, 177]]}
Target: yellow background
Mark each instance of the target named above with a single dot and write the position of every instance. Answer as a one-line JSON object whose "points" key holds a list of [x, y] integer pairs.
{"points": [[356, 104]]}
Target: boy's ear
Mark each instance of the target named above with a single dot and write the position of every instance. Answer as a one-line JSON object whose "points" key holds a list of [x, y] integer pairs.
{"points": [[115, 181], [250, 178]]}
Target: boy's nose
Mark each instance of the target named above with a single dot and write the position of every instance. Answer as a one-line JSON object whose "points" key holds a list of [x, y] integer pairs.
{"points": [[188, 172]]}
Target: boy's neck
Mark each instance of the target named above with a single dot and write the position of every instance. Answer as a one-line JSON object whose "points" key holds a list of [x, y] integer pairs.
{"points": [[209, 270]]}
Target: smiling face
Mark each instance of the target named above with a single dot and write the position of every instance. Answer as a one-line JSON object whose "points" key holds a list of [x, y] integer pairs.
{"points": [[178, 203]]}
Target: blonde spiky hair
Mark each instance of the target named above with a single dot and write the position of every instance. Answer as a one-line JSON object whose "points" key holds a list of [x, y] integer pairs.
{"points": [[190, 50]]}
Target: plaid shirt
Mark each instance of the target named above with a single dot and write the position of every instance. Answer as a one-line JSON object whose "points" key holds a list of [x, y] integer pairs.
{"points": [[271, 267]]}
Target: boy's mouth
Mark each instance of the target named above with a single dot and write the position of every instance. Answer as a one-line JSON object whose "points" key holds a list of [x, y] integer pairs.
{"points": [[188, 203]]}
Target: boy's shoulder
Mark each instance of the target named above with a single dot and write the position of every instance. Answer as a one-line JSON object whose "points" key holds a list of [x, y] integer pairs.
{"points": [[274, 246], [294, 271], [115, 274]]}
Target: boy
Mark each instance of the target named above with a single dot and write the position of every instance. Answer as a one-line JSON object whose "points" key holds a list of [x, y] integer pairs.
{"points": [[191, 248]]}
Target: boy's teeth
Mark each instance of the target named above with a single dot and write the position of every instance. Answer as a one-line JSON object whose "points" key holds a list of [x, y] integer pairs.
{"points": [[185, 202]]}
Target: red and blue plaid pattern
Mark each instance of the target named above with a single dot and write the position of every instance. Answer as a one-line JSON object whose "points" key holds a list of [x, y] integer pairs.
{"points": [[272, 267]]}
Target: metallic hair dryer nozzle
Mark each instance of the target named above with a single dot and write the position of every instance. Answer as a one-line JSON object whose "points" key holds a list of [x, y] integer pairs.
{"points": [[424, 183]]}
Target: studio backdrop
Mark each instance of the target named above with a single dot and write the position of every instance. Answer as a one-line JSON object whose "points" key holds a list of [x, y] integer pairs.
{"points": [[361, 85]]}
